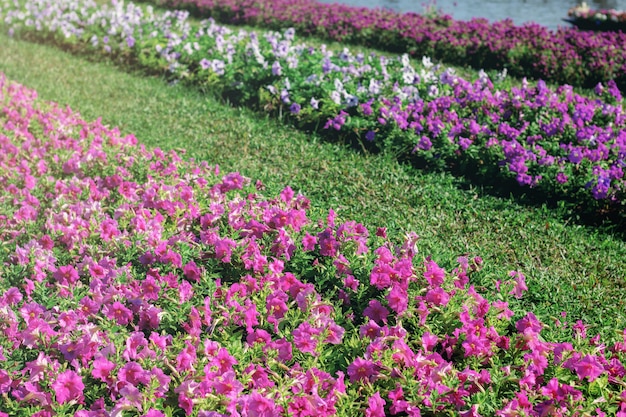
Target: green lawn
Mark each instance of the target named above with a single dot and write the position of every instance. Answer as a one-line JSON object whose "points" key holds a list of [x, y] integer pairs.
{"points": [[569, 267]]}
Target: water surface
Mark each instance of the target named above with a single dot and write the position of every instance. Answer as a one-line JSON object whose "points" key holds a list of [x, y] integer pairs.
{"points": [[545, 12]]}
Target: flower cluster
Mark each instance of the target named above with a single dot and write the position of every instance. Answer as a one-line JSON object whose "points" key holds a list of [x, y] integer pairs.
{"points": [[567, 56], [134, 281], [554, 139]]}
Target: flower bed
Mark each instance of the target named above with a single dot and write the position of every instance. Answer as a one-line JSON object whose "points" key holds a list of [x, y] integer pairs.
{"points": [[136, 282], [566, 56], [567, 145]]}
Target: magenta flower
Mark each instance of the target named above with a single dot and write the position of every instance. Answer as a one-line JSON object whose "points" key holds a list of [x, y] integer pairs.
{"points": [[361, 370], [66, 275], [376, 311], [529, 324], [376, 406], [191, 271], [434, 274], [119, 313], [256, 405], [224, 361], [589, 367], [398, 299], [228, 385], [520, 284], [132, 373], [68, 387], [304, 338]]}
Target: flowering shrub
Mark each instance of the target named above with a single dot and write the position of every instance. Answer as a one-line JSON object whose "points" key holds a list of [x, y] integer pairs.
{"points": [[566, 56], [133, 281], [563, 143]]}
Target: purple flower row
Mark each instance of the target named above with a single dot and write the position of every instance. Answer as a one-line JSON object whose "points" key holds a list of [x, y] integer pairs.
{"points": [[567, 56], [556, 139], [134, 281]]}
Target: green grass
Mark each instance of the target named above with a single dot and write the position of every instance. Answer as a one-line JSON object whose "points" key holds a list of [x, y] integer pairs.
{"points": [[569, 267]]}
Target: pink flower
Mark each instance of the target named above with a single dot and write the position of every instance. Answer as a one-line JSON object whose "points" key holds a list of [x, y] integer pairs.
{"points": [[259, 336], [186, 358], [529, 324], [308, 242], [119, 313], [370, 329], [224, 361], [434, 274], [133, 373], [361, 370], [304, 338], [68, 387], [257, 405], [284, 349], [5, 381], [476, 346], [191, 271], [102, 367], [224, 249], [472, 412], [276, 305], [376, 406], [429, 341], [228, 385], [589, 367], [12, 296], [437, 297], [397, 299], [66, 275], [381, 276], [520, 284], [334, 333], [376, 311]]}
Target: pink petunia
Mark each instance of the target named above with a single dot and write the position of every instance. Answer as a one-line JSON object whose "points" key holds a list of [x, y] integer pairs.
{"points": [[119, 313], [589, 367], [434, 274], [256, 405], [376, 406], [68, 387], [376, 311], [361, 370], [519, 288], [102, 367]]}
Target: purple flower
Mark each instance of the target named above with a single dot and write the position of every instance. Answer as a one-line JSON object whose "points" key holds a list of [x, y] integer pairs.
{"points": [[276, 68], [295, 108], [423, 144], [205, 64], [575, 156], [68, 386]]}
